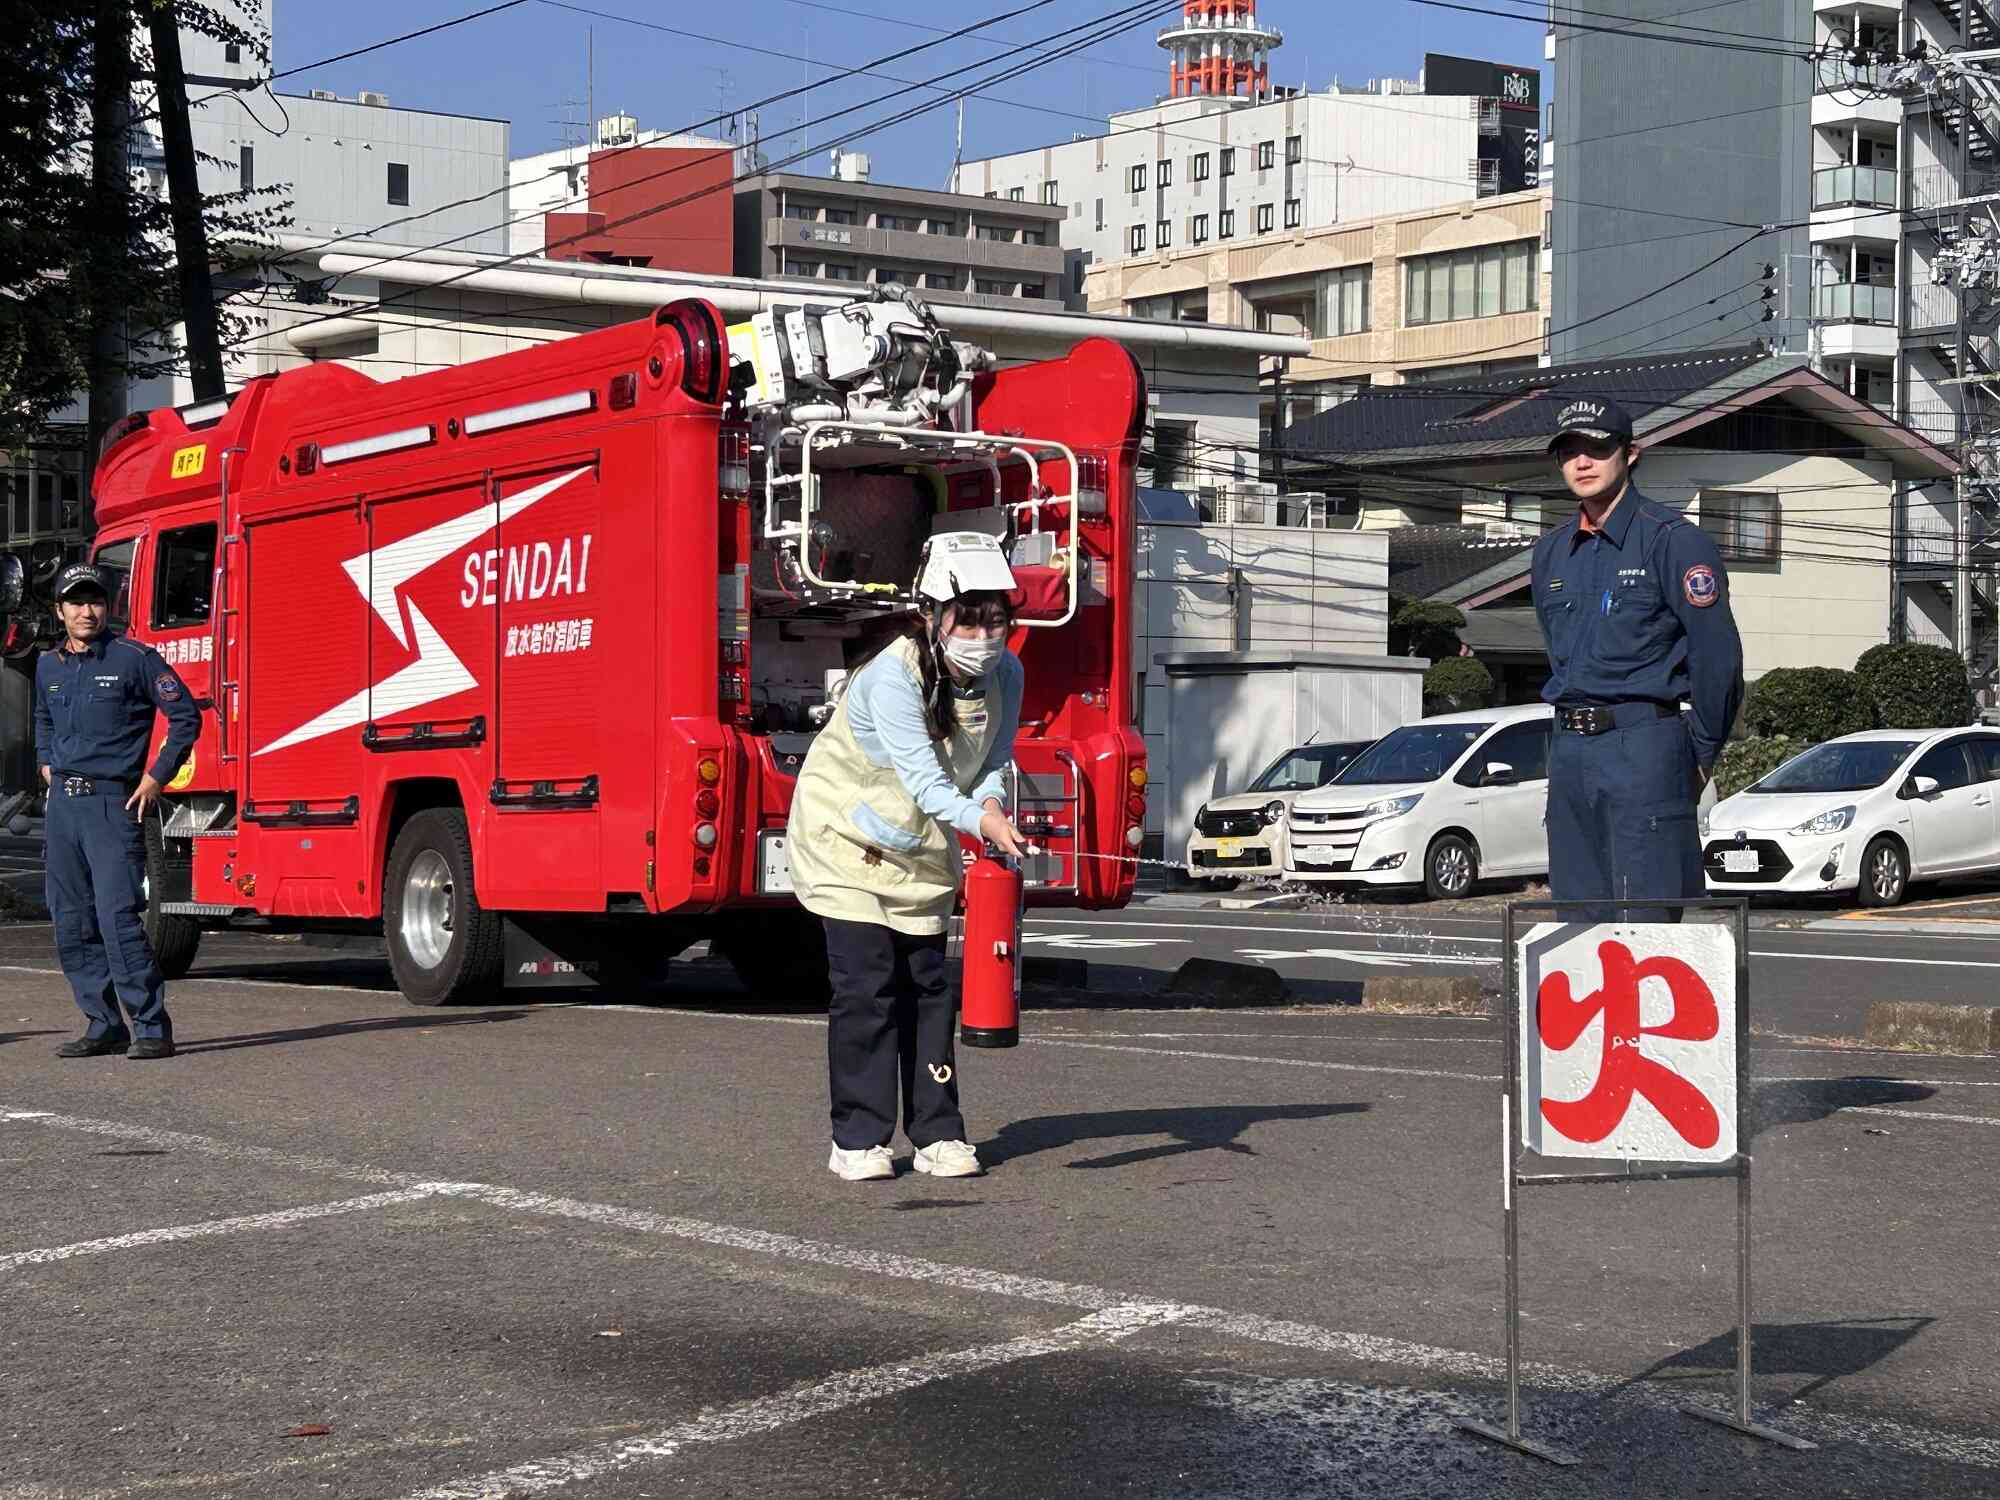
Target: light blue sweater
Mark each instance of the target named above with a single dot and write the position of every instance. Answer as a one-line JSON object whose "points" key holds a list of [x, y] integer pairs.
{"points": [[885, 709]]}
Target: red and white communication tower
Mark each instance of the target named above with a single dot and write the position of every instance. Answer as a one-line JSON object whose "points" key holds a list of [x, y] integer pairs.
{"points": [[1218, 48]]}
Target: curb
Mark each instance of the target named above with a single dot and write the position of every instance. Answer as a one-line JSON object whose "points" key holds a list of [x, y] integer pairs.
{"points": [[1254, 903], [1409, 994], [1934, 926], [1920, 1026]]}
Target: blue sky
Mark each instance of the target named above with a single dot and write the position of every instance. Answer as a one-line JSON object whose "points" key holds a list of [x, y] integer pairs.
{"points": [[521, 64]]}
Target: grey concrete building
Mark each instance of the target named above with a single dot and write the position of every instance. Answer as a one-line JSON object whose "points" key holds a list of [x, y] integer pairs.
{"points": [[1669, 148], [951, 246]]}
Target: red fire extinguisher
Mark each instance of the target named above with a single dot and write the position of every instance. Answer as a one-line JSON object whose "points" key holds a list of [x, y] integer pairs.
{"points": [[990, 996]]}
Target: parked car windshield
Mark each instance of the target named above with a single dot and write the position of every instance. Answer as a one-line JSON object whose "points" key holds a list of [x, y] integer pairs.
{"points": [[1308, 766], [1416, 752], [1853, 767]]}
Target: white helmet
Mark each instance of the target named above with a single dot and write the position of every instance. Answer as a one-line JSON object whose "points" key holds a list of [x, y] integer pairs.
{"points": [[962, 562]]}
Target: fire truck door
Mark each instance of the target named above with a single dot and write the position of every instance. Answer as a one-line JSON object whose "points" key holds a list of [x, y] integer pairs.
{"points": [[555, 674]]}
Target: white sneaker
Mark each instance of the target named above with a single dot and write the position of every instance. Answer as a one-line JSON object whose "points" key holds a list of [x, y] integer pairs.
{"points": [[868, 1165], [948, 1159]]}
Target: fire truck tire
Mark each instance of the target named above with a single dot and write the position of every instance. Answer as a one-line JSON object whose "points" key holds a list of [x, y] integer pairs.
{"points": [[174, 940], [781, 958], [443, 948]]}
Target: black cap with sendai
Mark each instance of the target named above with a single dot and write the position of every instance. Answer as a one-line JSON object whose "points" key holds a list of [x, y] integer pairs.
{"points": [[80, 578], [1592, 417]]}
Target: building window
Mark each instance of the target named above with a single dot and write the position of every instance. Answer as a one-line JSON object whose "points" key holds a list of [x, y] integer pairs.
{"points": [[1348, 294], [941, 226], [399, 183], [999, 234], [246, 167], [1016, 195], [1201, 166], [803, 211], [941, 281], [796, 267], [1295, 149], [1034, 236], [1267, 217], [1164, 230], [1483, 283], [837, 271], [183, 577], [1744, 524], [232, 52], [1267, 155], [1228, 161], [1033, 289], [896, 221], [1100, 216], [1136, 178], [987, 288], [1172, 442], [1289, 315], [840, 216], [1049, 193], [1225, 228], [1135, 238], [1166, 178], [1198, 229], [1292, 213]]}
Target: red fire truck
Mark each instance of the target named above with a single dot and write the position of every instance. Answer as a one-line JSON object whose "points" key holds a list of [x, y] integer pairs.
{"points": [[516, 662]]}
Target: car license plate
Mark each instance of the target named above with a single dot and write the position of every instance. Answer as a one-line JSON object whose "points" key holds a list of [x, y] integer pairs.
{"points": [[1739, 861], [1312, 856], [774, 866], [1229, 848]]}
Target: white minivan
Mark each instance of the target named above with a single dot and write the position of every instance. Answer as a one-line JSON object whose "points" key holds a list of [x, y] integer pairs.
{"points": [[1440, 803]]}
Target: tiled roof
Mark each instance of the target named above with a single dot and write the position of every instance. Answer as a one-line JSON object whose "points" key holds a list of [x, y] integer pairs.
{"points": [[1426, 561]]}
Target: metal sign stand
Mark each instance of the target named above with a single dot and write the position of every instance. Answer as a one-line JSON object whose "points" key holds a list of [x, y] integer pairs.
{"points": [[1513, 1178]]}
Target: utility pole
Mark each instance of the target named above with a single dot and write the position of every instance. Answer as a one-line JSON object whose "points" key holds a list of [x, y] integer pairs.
{"points": [[111, 214], [204, 344]]}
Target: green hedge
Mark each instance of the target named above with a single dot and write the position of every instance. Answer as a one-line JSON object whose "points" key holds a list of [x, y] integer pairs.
{"points": [[1457, 683], [1743, 762], [1808, 703], [1917, 687]]}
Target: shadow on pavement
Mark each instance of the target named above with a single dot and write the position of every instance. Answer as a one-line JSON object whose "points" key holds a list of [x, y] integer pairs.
{"points": [[348, 973], [1823, 1351], [430, 1021], [22, 1036], [1212, 1128], [1801, 1102]]}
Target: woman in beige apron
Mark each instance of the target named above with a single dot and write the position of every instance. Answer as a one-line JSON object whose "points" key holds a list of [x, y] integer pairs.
{"points": [[913, 756]]}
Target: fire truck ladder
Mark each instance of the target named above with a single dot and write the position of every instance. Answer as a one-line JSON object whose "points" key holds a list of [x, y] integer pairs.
{"points": [[908, 442]]}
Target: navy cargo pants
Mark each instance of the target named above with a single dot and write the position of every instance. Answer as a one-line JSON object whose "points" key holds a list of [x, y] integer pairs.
{"points": [[890, 1022], [1622, 815], [96, 863]]}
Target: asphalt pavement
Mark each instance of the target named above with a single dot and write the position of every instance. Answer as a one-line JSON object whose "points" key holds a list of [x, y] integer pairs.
{"points": [[347, 1247]]}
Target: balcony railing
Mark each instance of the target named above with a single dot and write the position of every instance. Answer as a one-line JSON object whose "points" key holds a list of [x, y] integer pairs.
{"points": [[1936, 187], [1846, 187], [1855, 302], [1932, 306], [1840, 75]]}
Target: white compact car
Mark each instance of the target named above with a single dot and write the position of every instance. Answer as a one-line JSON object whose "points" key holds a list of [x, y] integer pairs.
{"points": [[1870, 811], [1244, 834], [1440, 802]]}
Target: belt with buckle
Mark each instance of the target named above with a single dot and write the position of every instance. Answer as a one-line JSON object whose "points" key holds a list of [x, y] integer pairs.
{"points": [[1602, 718], [84, 786]]}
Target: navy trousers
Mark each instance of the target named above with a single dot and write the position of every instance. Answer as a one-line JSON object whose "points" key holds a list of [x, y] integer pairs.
{"points": [[96, 866], [1622, 816], [891, 1022]]}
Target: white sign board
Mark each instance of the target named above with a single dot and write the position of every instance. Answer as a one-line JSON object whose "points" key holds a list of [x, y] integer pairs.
{"points": [[1628, 1041]]}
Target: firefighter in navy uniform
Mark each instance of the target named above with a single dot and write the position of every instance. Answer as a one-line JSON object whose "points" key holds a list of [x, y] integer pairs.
{"points": [[1634, 607], [95, 697]]}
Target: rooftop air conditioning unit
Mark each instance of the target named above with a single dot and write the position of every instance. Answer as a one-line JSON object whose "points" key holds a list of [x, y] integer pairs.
{"points": [[380, 101], [327, 94], [1303, 510]]}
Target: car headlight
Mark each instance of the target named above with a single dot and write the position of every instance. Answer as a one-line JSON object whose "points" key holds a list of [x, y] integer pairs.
{"points": [[1391, 807], [1201, 812], [1833, 820], [1701, 822], [1273, 811]]}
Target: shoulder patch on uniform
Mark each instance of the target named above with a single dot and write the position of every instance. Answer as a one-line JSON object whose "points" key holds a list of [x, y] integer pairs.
{"points": [[1699, 584], [167, 686]]}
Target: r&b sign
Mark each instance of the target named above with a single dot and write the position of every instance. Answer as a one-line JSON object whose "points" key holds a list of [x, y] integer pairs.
{"points": [[1628, 1041]]}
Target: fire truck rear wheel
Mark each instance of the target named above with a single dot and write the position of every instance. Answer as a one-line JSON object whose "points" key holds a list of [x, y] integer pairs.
{"points": [[174, 939], [443, 948]]}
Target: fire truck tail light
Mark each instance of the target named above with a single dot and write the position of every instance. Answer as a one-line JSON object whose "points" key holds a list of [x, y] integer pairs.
{"points": [[625, 391], [1136, 805], [382, 442], [701, 864], [707, 803], [530, 411], [1138, 778], [1092, 484], [709, 770], [1134, 837], [204, 413], [704, 835], [705, 361]]}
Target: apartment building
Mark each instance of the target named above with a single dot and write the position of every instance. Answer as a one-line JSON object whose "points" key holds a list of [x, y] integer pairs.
{"points": [[559, 181], [953, 247], [1230, 157]]}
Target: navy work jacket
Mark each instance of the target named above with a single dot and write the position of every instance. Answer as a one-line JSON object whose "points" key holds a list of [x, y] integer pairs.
{"points": [[94, 711], [1639, 610]]}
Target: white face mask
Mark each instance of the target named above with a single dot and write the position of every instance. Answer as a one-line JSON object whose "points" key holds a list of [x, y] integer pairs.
{"points": [[974, 656]]}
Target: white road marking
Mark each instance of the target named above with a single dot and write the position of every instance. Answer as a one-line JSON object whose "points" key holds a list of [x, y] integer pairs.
{"points": [[262, 984], [282, 1219], [1361, 956], [770, 1413], [1083, 940], [1267, 931], [1920, 1114], [1369, 1348]]}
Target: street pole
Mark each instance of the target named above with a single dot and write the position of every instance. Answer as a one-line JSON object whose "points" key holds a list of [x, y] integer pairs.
{"points": [[204, 345], [111, 215]]}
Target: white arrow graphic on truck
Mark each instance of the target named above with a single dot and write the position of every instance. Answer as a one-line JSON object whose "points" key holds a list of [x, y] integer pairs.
{"points": [[380, 575]]}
